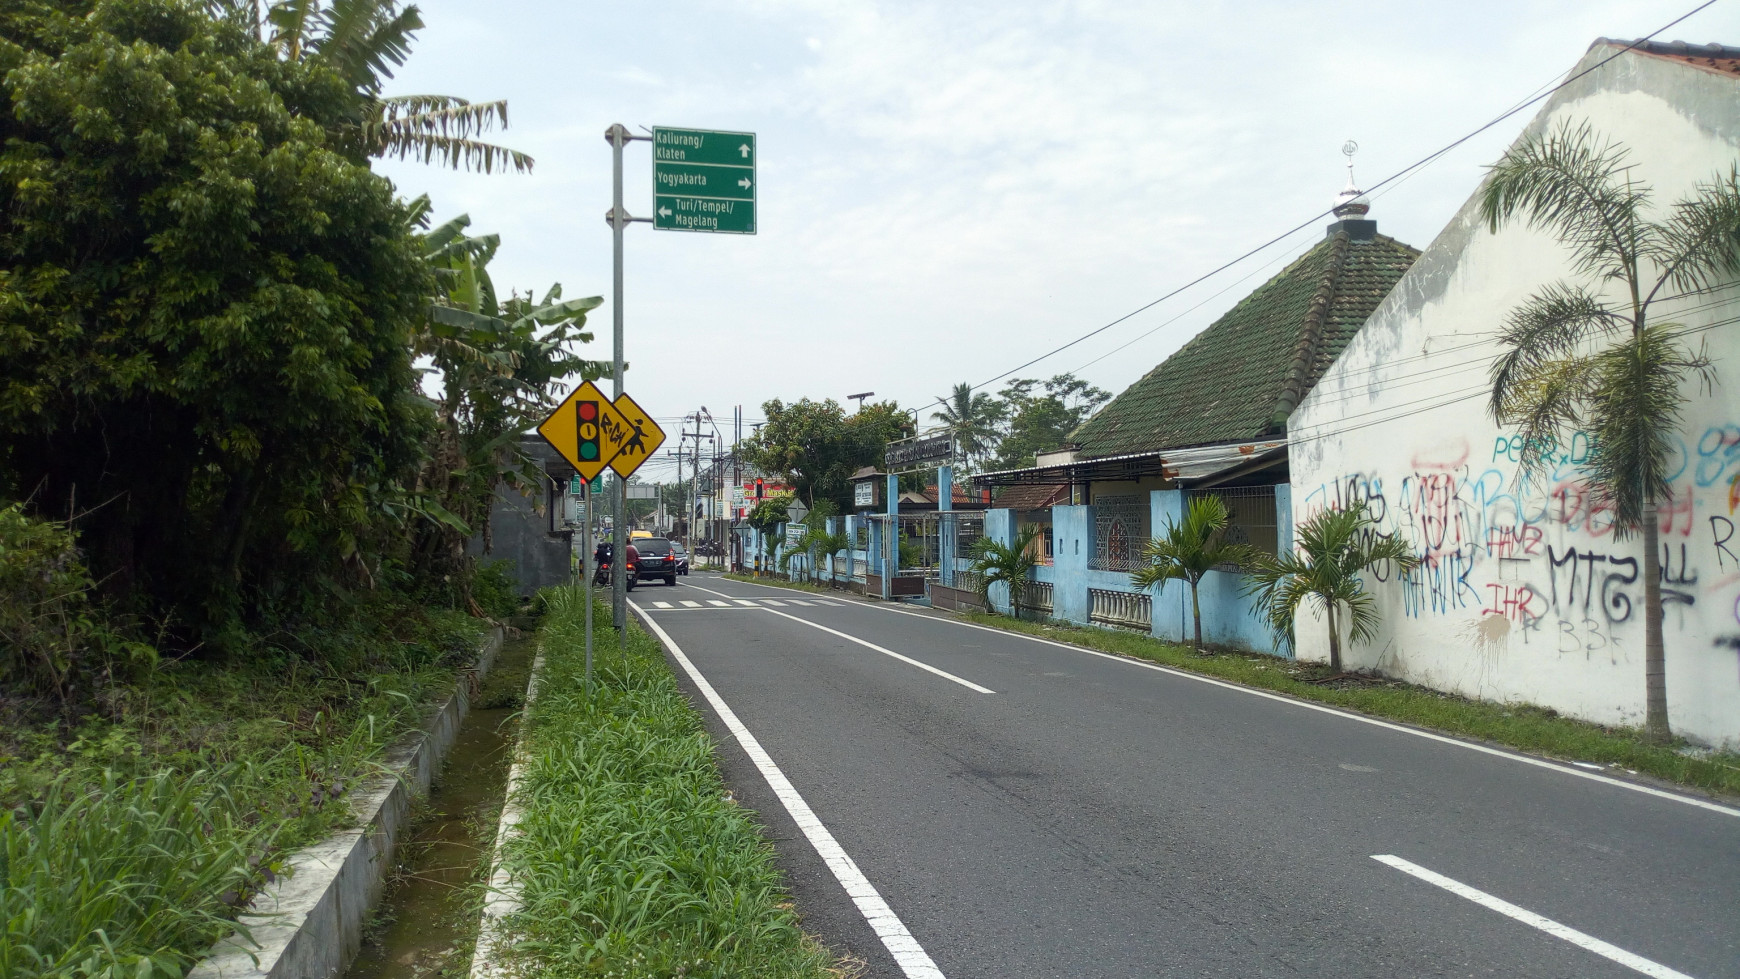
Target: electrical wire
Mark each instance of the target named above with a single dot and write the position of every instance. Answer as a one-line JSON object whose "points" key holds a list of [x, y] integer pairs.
{"points": [[1391, 179]]}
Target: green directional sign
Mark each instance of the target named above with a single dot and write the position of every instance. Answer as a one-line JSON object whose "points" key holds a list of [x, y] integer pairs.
{"points": [[704, 180]]}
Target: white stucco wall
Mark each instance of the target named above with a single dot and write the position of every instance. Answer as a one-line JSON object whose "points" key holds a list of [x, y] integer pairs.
{"points": [[1525, 593]]}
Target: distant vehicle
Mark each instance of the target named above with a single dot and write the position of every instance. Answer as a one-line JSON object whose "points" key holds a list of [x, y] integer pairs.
{"points": [[707, 548], [639, 534], [602, 559], [682, 557], [657, 559]]}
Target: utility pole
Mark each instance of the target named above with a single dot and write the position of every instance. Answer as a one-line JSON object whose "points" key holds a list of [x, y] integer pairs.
{"points": [[618, 136]]}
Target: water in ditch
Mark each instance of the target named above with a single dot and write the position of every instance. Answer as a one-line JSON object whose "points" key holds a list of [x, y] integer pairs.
{"points": [[427, 920]]}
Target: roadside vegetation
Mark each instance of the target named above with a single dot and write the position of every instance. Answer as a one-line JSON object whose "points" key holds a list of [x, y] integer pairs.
{"points": [[234, 528], [633, 857], [1524, 727]]}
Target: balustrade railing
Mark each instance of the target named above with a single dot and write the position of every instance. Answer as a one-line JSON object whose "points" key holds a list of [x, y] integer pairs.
{"points": [[1037, 596], [1126, 610]]}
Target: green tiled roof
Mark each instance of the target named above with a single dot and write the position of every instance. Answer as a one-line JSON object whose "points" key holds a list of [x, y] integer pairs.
{"points": [[1241, 377]]}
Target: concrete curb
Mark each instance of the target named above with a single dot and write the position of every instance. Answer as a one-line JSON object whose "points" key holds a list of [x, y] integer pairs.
{"points": [[309, 924]]}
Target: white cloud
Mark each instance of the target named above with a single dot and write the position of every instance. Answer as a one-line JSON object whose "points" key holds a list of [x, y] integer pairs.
{"points": [[950, 188]]}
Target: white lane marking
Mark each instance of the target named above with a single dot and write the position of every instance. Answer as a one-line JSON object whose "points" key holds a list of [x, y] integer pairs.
{"points": [[717, 603], [828, 604], [907, 953], [970, 685], [1527, 917], [799, 601], [867, 644], [769, 601], [662, 605], [1551, 766], [744, 601], [691, 604]]}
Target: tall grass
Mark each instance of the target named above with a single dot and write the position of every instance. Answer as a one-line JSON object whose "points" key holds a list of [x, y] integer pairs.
{"points": [[632, 858], [129, 843], [124, 877]]}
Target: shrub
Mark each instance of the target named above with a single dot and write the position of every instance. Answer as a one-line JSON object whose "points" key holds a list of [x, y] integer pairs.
{"points": [[52, 639]]}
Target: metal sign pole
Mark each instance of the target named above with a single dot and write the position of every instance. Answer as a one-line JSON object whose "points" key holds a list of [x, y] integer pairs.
{"points": [[587, 548], [618, 136]]}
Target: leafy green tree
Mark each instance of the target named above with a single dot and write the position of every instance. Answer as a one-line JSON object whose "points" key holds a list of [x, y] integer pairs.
{"points": [[974, 419], [206, 309], [1576, 359], [1041, 422], [1334, 547], [363, 41], [1191, 548], [814, 446], [500, 364], [1010, 564]]}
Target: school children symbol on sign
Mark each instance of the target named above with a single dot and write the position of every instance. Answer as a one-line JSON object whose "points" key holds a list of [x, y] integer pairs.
{"points": [[641, 437], [593, 433]]}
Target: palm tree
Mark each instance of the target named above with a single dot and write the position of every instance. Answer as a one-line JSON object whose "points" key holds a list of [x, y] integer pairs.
{"points": [[1190, 549], [363, 41], [1576, 359], [1334, 547], [1010, 563], [973, 418]]}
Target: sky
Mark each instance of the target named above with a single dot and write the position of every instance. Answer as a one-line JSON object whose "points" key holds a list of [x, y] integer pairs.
{"points": [[950, 189]]}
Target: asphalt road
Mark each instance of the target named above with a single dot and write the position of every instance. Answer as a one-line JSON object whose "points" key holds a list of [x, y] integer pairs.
{"points": [[1093, 817]]}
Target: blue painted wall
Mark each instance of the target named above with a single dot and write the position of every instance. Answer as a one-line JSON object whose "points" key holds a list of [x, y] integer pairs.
{"points": [[1073, 534]]}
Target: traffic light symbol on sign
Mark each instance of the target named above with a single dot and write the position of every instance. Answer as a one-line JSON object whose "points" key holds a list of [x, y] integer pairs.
{"points": [[586, 414]]}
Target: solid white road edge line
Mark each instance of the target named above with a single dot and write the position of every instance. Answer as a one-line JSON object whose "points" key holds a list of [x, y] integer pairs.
{"points": [[503, 897], [1527, 917], [1554, 766], [970, 685], [905, 949]]}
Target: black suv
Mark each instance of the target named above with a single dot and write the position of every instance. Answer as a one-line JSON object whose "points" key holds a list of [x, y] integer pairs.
{"points": [[656, 560]]}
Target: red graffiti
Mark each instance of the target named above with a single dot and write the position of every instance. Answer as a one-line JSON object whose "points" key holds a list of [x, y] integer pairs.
{"points": [[1514, 602], [1512, 542], [1444, 458], [1675, 506]]}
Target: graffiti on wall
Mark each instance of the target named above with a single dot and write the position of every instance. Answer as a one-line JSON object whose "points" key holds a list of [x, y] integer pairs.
{"points": [[1542, 553]]}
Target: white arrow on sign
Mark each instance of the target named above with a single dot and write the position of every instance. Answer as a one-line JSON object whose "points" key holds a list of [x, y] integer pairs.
{"points": [[664, 212], [744, 149], [744, 183]]}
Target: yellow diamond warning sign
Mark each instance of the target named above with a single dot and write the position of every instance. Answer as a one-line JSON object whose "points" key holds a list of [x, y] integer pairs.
{"points": [[640, 437], [579, 429]]}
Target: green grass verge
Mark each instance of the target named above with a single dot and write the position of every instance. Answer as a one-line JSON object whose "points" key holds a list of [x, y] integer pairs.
{"points": [[633, 859], [129, 840], [1525, 727]]}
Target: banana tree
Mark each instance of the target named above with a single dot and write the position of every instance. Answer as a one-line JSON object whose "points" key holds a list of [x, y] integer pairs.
{"points": [[363, 41], [501, 365]]}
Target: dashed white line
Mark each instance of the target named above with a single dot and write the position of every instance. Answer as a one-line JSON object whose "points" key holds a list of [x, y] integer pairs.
{"points": [[661, 605], [799, 601], [907, 952], [744, 601], [970, 685], [1613, 952], [717, 603], [691, 604], [769, 601]]}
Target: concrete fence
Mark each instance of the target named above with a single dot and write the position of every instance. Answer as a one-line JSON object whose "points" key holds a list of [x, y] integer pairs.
{"points": [[1087, 586]]}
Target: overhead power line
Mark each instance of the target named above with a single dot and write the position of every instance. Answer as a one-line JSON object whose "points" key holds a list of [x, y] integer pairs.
{"points": [[1392, 178]]}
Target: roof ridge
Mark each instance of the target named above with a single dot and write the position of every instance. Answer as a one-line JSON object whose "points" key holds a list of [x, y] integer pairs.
{"points": [[1310, 333], [1246, 298]]}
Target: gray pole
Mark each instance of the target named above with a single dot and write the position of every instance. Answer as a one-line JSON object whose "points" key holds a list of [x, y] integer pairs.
{"points": [[618, 136], [586, 569]]}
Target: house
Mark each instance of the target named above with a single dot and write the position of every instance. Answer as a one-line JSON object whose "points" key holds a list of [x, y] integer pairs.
{"points": [[1524, 591], [1211, 417]]}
